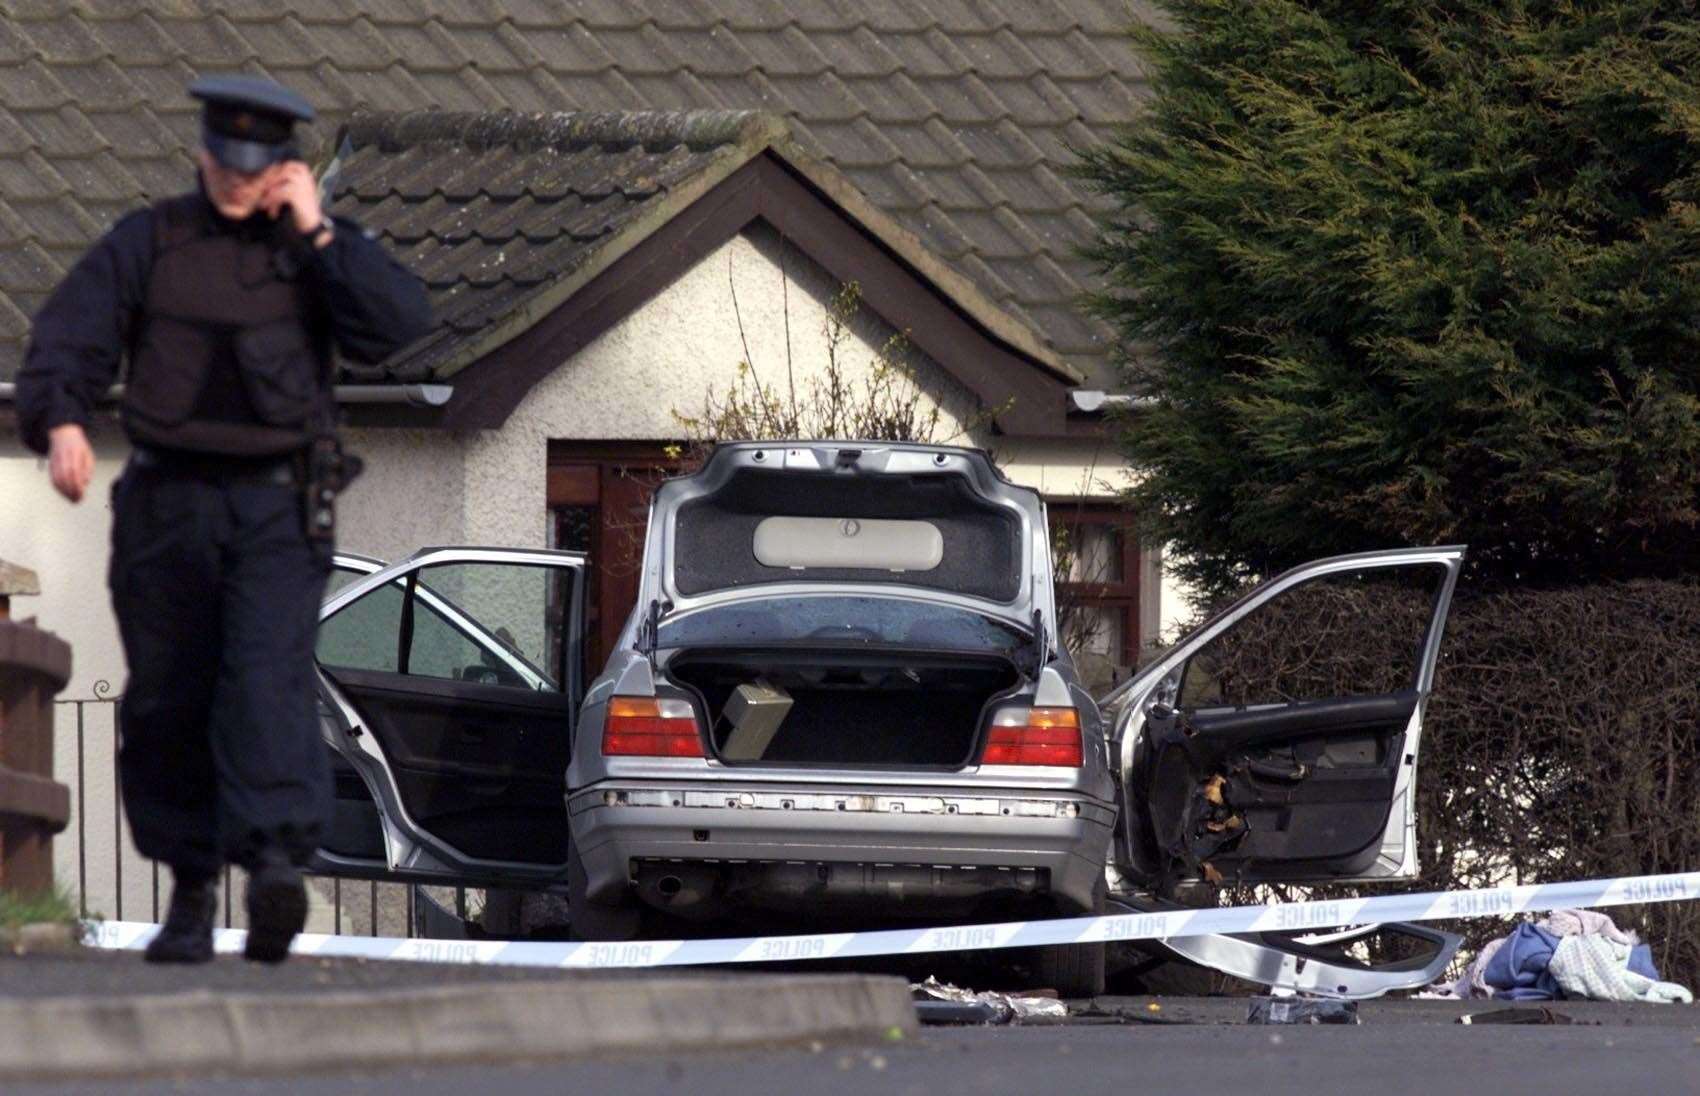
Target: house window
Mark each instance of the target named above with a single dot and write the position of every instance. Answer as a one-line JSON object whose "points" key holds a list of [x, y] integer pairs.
{"points": [[1098, 588]]}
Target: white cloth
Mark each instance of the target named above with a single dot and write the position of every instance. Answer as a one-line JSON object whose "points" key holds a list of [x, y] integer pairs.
{"points": [[1585, 922], [1595, 966]]}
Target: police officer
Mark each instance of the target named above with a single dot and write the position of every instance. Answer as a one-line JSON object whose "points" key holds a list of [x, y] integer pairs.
{"points": [[226, 303]]}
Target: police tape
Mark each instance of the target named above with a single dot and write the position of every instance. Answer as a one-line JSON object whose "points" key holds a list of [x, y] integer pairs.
{"points": [[1158, 925]]}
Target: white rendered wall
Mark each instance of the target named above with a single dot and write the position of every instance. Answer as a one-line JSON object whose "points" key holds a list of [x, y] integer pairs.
{"points": [[67, 546]]}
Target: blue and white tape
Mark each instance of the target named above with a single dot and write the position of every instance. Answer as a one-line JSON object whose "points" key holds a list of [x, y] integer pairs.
{"points": [[1278, 917]]}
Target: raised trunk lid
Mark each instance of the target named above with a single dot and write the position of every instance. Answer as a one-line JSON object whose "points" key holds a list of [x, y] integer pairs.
{"points": [[879, 517]]}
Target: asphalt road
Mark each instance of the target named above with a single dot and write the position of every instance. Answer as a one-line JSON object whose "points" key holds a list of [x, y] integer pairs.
{"points": [[1399, 1048]]}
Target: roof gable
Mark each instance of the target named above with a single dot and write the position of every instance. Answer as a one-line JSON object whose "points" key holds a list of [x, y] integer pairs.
{"points": [[504, 216], [534, 233]]}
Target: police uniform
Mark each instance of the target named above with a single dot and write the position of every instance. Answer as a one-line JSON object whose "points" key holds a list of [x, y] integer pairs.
{"points": [[228, 328]]}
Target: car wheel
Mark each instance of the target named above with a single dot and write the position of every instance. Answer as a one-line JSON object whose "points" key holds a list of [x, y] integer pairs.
{"points": [[1073, 970], [589, 920]]}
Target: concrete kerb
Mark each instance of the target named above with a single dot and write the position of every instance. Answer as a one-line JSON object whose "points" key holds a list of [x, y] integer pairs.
{"points": [[200, 1031]]}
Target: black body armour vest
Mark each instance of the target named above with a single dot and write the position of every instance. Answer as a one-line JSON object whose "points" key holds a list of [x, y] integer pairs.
{"points": [[223, 361]]}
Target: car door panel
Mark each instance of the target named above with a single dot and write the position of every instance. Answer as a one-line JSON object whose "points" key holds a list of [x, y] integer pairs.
{"points": [[458, 734], [1310, 778], [356, 830], [1302, 784], [481, 767]]}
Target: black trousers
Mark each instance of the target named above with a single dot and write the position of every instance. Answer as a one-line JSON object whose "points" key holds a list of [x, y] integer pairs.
{"points": [[217, 590]]}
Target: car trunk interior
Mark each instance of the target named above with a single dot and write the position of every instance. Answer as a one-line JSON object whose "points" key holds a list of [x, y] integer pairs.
{"points": [[869, 708]]}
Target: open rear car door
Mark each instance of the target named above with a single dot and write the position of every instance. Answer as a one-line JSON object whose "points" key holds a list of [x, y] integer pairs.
{"points": [[449, 685], [1274, 744]]}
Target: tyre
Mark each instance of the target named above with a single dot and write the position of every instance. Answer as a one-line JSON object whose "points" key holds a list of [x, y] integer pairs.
{"points": [[1073, 970]]}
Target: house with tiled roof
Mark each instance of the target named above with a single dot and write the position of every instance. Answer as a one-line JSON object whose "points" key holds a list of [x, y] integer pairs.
{"points": [[616, 206]]}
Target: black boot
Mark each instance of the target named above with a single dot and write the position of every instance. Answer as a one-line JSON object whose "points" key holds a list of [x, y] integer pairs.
{"points": [[187, 935], [277, 909]]}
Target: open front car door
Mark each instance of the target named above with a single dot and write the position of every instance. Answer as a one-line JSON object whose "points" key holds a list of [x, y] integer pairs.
{"points": [[450, 683], [1270, 745]]}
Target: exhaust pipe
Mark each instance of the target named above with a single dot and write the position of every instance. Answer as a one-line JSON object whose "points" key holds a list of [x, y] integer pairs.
{"points": [[684, 890]]}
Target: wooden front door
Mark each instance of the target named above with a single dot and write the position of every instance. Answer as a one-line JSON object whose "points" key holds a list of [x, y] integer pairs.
{"points": [[598, 499]]}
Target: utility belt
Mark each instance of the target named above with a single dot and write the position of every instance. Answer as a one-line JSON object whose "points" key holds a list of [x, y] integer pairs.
{"points": [[321, 472], [268, 471]]}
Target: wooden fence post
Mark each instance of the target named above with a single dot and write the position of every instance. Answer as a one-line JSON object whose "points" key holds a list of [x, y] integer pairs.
{"points": [[34, 666]]}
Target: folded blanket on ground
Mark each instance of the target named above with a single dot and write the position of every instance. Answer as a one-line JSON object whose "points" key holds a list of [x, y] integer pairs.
{"points": [[1598, 968]]}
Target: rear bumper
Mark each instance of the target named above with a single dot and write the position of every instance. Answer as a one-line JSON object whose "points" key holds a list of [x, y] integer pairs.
{"points": [[1057, 838]]}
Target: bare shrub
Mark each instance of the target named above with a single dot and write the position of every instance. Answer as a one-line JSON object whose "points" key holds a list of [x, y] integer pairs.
{"points": [[885, 403]]}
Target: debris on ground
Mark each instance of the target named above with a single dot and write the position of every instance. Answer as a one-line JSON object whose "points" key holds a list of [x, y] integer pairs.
{"points": [[1542, 1015], [1569, 954], [1301, 1010], [941, 1003]]}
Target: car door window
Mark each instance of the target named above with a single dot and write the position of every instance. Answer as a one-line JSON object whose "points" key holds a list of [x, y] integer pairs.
{"points": [[488, 623], [498, 624], [1310, 642], [362, 634]]}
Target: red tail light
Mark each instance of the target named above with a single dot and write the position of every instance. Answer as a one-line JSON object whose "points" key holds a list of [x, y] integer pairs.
{"points": [[1034, 736], [641, 726]]}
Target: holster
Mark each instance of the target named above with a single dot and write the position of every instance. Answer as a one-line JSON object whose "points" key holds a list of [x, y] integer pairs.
{"points": [[328, 473]]}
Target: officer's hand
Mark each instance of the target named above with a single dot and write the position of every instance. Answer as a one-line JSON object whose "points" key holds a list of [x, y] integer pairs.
{"points": [[70, 460], [292, 184]]}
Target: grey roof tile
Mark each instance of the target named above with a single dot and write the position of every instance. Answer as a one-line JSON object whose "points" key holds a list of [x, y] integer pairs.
{"points": [[606, 14], [677, 15], [856, 52], [997, 146], [1036, 189], [55, 222], [573, 48], [955, 116], [1069, 56], [401, 13], [783, 51], [136, 40], [64, 42], [499, 49], [716, 51], [927, 54], [900, 16], [98, 178], [284, 43], [640, 50], [14, 322], [31, 85], [65, 132], [15, 46], [213, 42], [528, 92], [26, 265], [999, 55], [332, 12], [27, 176]]}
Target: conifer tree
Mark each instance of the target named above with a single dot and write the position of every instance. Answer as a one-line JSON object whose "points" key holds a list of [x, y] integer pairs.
{"points": [[1413, 272]]}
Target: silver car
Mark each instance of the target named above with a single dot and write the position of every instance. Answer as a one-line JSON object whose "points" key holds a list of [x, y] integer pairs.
{"points": [[839, 701]]}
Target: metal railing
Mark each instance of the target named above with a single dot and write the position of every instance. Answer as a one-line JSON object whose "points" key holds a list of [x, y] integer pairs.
{"points": [[109, 872]]}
